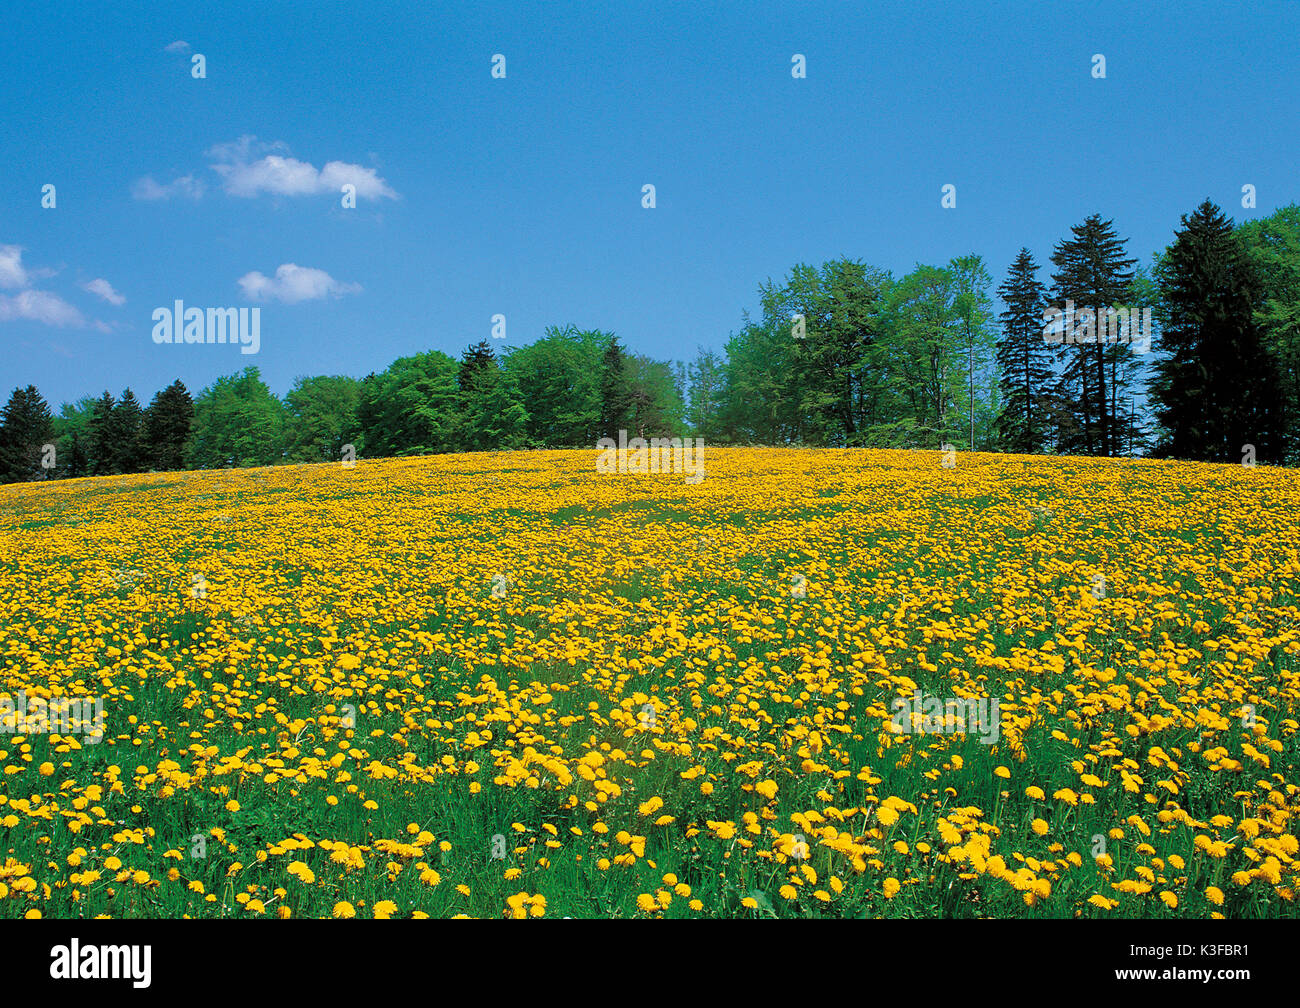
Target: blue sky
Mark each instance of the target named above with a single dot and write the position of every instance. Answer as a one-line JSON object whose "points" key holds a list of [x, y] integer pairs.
{"points": [[522, 196]]}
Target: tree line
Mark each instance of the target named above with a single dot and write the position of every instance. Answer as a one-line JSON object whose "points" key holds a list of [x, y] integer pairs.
{"points": [[567, 389], [1204, 364]]}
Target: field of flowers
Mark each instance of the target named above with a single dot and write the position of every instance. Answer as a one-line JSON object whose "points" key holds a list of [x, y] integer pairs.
{"points": [[504, 685]]}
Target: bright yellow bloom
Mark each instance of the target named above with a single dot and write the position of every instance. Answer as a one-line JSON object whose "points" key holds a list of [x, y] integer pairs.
{"points": [[302, 872]]}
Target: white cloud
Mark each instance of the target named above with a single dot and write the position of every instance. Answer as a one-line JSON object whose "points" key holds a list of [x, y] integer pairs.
{"points": [[102, 288], [147, 189], [273, 174], [369, 185], [250, 167], [12, 273], [39, 306], [177, 47], [293, 283]]}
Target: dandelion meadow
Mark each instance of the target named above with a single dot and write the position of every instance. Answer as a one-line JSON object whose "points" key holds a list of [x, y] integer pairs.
{"points": [[818, 683]]}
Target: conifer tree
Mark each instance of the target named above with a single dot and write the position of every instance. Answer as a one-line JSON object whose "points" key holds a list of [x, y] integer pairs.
{"points": [[1093, 274], [26, 428], [1023, 357], [102, 455], [167, 425], [474, 362], [1216, 388], [615, 391], [127, 425]]}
